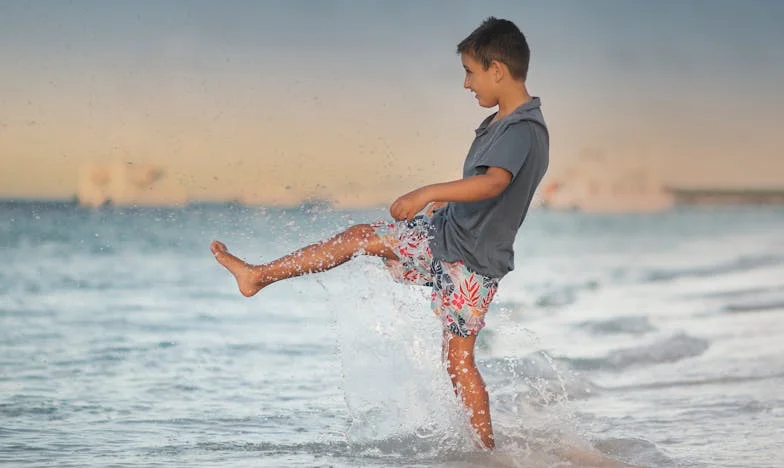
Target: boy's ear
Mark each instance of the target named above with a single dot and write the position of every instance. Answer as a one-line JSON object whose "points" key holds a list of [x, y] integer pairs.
{"points": [[498, 70]]}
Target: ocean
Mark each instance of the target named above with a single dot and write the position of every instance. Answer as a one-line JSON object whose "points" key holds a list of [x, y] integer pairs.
{"points": [[648, 339]]}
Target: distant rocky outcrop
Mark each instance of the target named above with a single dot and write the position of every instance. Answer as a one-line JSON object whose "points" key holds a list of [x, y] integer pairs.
{"points": [[128, 184]]}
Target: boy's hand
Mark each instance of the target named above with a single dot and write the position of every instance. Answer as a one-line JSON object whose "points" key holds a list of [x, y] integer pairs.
{"points": [[407, 206]]}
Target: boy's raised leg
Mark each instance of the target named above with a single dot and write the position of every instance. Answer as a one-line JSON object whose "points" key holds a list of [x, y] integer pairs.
{"points": [[468, 384], [314, 258]]}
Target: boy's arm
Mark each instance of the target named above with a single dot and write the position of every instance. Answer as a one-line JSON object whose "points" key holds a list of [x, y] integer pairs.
{"points": [[476, 188]]}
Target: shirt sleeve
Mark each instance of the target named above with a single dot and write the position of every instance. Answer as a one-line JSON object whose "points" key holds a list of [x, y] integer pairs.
{"points": [[510, 150]]}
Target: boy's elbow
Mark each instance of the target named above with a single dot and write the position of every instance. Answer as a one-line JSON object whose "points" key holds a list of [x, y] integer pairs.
{"points": [[498, 181], [503, 185]]}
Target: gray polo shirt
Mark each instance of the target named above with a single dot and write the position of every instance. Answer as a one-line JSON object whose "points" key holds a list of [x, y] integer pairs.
{"points": [[482, 233]]}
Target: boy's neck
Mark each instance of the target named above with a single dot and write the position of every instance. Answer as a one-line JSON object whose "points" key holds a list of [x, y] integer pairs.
{"points": [[511, 100]]}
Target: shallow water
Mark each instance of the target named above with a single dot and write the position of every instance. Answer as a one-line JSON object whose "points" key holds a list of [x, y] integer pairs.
{"points": [[651, 339]]}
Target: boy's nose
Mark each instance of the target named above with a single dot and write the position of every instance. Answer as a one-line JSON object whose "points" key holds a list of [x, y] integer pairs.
{"points": [[466, 84]]}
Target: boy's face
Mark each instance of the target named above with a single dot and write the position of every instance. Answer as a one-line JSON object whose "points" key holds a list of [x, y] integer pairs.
{"points": [[482, 82]]}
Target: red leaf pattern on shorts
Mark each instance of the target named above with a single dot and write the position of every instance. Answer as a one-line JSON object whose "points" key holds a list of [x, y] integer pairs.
{"points": [[469, 289], [488, 298], [411, 275]]}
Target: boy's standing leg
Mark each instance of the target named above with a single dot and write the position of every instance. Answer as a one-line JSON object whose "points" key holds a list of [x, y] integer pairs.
{"points": [[469, 385]]}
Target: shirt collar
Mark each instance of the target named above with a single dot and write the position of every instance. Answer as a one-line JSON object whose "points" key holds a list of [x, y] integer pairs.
{"points": [[515, 116]]}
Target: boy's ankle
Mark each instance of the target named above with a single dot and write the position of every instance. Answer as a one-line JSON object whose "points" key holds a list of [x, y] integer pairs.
{"points": [[262, 275]]}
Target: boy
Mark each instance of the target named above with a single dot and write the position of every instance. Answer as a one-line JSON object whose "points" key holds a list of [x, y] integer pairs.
{"points": [[462, 245]]}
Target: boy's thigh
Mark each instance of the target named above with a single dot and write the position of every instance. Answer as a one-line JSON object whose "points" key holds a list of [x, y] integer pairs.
{"points": [[461, 297], [409, 241]]}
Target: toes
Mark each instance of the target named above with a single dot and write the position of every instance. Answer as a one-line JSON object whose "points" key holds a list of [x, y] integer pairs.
{"points": [[217, 247]]}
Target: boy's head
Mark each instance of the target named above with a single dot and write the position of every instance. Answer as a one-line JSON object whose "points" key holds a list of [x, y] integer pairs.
{"points": [[493, 55]]}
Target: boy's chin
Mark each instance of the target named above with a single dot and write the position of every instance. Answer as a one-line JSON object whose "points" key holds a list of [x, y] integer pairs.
{"points": [[487, 103]]}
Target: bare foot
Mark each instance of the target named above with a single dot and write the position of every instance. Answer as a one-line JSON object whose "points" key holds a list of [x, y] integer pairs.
{"points": [[247, 275]]}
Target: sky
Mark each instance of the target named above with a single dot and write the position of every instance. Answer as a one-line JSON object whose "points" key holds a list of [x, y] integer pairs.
{"points": [[329, 98]]}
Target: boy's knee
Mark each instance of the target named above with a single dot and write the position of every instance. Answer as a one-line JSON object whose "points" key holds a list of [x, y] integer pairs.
{"points": [[360, 232], [364, 237], [360, 229], [459, 362]]}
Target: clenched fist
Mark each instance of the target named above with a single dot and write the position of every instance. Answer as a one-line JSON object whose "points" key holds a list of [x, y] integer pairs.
{"points": [[407, 206]]}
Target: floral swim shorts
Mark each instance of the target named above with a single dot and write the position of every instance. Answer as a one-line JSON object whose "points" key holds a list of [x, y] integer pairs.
{"points": [[460, 296]]}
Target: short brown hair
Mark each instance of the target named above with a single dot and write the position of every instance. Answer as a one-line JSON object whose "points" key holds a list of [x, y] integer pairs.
{"points": [[498, 39]]}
